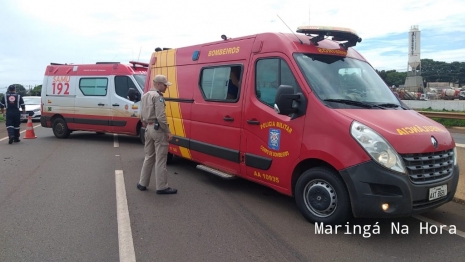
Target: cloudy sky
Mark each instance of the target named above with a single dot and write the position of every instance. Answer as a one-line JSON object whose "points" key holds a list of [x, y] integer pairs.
{"points": [[35, 33]]}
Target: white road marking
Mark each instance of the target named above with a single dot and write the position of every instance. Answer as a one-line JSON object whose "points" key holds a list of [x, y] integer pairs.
{"points": [[126, 245], [459, 145], [430, 221], [5, 138], [115, 143]]}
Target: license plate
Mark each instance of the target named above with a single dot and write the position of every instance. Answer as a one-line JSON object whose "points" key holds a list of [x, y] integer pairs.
{"points": [[437, 192], [24, 116]]}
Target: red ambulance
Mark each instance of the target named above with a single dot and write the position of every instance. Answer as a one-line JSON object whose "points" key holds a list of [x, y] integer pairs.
{"points": [[102, 97], [306, 115]]}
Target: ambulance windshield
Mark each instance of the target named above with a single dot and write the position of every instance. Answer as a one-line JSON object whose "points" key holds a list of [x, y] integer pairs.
{"points": [[140, 78], [344, 82]]}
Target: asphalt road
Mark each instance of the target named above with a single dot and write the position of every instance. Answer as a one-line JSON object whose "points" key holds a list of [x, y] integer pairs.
{"points": [[60, 200]]}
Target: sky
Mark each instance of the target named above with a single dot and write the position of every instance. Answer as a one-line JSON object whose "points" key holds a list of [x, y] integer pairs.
{"points": [[34, 33]]}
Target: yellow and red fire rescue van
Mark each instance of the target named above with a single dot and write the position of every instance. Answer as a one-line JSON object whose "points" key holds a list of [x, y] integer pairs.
{"points": [[306, 115], [102, 97]]}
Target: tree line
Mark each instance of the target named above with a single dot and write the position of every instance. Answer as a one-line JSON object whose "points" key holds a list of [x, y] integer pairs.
{"points": [[20, 89], [431, 71]]}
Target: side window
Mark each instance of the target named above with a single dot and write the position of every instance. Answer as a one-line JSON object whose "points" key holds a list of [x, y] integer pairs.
{"points": [[122, 85], [269, 75], [221, 83], [93, 86]]}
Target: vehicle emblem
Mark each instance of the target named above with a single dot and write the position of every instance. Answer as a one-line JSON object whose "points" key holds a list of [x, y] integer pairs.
{"points": [[434, 142]]}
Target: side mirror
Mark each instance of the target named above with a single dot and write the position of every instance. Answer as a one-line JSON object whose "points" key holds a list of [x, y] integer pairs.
{"points": [[133, 95], [285, 100]]}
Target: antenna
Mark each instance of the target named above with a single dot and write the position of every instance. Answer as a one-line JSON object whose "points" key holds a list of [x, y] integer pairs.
{"points": [[291, 30], [139, 53], [309, 14]]}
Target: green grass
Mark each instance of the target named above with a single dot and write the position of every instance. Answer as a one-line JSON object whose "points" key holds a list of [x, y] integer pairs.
{"points": [[1, 118], [444, 121]]}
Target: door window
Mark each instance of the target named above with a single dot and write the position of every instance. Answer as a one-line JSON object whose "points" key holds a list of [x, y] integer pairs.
{"points": [[221, 83], [122, 85], [270, 74], [93, 86]]}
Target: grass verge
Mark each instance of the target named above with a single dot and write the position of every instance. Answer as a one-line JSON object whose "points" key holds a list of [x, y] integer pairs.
{"points": [[444, 121]]}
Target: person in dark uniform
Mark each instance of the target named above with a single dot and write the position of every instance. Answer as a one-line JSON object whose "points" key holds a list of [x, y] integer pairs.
{"points": [[13, 102]]}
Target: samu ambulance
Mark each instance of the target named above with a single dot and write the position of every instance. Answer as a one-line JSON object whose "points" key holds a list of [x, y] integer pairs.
{"points": [[308, 117], [102, 97]]}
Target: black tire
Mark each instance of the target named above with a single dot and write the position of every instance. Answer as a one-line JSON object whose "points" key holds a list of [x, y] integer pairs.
{"points": [[169, 159], [322, 197], [142, 135], [60, 128], [100, 133]]}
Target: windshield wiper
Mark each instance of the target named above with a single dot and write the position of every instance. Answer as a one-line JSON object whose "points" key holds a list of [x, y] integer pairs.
{"points": [[354, 103], [391, 105]]}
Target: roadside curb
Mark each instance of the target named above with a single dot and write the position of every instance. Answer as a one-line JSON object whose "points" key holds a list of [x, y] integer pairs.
{"points": [[458, 200]]}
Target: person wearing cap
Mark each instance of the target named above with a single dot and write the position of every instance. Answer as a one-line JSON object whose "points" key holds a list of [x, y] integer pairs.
{"points": [[157, 135], [12, 102]]}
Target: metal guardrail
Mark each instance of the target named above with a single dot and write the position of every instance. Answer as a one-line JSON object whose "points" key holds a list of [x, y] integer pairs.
{"points": [[448, 115]]}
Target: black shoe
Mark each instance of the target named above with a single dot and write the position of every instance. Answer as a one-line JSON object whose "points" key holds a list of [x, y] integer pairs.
{"points": [[140, 187], [10, 141], [166, 191], [17, 140]]}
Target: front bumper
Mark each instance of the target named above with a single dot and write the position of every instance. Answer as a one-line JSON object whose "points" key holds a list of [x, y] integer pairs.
{"points": [[370, 185]]}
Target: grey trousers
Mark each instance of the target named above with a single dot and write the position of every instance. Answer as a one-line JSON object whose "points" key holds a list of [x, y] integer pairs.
{"points": [[156, 154]]}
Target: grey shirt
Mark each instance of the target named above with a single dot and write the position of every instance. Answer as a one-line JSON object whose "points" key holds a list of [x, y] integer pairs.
{"points": [[153, 107]]}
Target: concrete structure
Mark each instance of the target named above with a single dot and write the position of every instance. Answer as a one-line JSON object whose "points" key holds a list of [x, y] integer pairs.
{"points": [[414, 80], [456, 105]]}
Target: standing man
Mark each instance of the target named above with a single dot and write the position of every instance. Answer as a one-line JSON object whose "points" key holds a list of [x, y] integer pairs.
{"points": [[157, 135], [13, 102]]}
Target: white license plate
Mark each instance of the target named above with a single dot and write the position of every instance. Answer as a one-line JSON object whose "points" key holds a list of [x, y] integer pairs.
{"points": [[437, 192], [24, 116]]}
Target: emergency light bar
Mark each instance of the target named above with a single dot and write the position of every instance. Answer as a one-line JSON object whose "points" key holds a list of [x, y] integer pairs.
{"points": [[134, 63], [339, 34]]}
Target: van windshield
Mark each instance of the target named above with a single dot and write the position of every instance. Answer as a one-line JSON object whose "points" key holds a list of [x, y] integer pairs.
{"points": [[343, 82], [140, 78]]}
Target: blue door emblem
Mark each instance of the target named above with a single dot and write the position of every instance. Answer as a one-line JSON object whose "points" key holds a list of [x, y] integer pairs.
{"points": [[274, 139]]}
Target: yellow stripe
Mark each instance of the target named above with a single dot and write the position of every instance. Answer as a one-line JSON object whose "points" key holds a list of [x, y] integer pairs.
{"points": [[171, 57], [166, 65], [185, 152]]}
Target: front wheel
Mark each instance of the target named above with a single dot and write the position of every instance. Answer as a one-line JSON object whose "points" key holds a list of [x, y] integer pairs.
{"points": [[60, 128], [322, 197]]}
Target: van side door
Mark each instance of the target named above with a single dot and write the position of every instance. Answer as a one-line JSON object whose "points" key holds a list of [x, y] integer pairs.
{"points": [[272, 141], [216, 118], [92, 107]]}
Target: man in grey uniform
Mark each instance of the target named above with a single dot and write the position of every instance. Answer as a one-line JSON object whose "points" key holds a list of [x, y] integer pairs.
{"points": [[157, 135]]}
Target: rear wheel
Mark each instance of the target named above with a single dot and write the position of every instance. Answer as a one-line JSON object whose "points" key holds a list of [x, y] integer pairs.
{"points": [[60, 128], [322, 197]]}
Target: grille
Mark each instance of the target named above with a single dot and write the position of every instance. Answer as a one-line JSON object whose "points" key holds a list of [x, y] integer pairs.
{"points": [[429, 167]]}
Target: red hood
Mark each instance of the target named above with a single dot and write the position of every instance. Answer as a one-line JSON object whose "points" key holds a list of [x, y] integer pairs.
{"points": [[406, 130]]}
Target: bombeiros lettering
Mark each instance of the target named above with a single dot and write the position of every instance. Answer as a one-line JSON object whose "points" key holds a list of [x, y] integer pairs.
{"points": [[224, 51]]}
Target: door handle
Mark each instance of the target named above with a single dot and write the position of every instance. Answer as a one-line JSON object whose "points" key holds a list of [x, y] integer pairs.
{"points": [[115, 105], [253, 122], [100, 104], [228, 118]]}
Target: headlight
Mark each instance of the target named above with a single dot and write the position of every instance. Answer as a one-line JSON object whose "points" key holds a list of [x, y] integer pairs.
{"points": [[455, 155], [377, 147], [36, 110]]}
